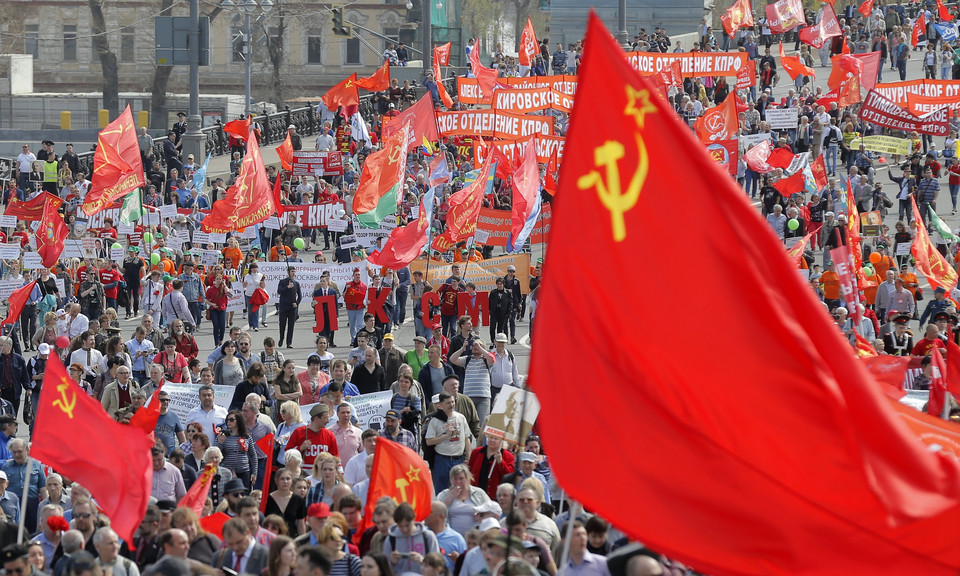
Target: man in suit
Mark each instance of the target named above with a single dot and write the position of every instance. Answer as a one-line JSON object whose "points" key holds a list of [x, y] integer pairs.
{"points": [[245, 555], [288, 290], [180, 127], [171, 153]]}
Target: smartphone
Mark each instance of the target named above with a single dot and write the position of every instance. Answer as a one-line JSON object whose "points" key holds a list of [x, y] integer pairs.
{"points": [[229, 571], [404, 554]]}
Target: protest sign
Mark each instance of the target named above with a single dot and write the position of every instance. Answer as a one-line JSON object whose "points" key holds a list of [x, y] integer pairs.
{"points": [[308, 274], [10, 251], [920, 105], [883, 144], [368, 409], [496, 224], [692, 64], [32, 261], [493, 124], [879, 110], [513, 415], [323, 163], [185, 397], [7, 221], [484, 273], [897, 92], [779, 118], [545, 147], [311, 215], [725, 153]]}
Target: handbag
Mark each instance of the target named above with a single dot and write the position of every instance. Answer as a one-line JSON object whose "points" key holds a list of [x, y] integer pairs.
{"points": [[919, 294], [887, 203]]}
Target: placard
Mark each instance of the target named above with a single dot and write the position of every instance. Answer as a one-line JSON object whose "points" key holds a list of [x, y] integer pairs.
{"points": [[349, 241], [248, 233], [209, 257], [168, 212], [235, 301], [32, 261], [368, 409], [903, 249], [89, 247], [116, 254], [308, 274], [61, 286], [323, 163], [513, 414], [779, 118], [7, 221], [200, 239], [481, 236], [337, 225], [151, 218], [126, 229], [10, 251], [72, 249], [218, 237], [8, 286], [175, 243]]}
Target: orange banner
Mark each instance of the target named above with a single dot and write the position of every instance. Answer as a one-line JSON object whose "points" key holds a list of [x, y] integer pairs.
{"points": [[920, 105], [468, 91], [496, 223], [525, 100], [898, 91], [692, 64], [545, 147], [493, 124]]}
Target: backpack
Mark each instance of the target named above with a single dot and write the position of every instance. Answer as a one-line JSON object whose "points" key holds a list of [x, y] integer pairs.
{"points": [[429, 452]]}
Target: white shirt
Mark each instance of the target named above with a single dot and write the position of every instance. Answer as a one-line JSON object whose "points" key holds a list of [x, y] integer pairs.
{"points": [[73, 327], [26, 161], [356, 469], [325, 142], [215, 417], [245, 558], [251, 282], [86, 358]]}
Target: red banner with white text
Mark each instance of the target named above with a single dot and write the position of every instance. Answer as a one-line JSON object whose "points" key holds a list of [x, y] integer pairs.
{"points": [[493, 124], [545, 146], [883, 112]]}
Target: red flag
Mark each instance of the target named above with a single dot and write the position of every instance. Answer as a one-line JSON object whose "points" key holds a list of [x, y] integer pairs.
{"points": [[379, 80], [442, 53], [249, 201], [789, 186], [32, 209], [819, 170], [866, 8], [400, 474], [196, 496], [746, 77], [381, 180], [796, 252], [784, 15], [465, 204], [17, 299], [865, 349], [265, 444], [943, 13], [550, 177], [870, 64], [929, 261], [780, 158], [739, 15], [844, 47], [285, 152], [719, 122], [919, 28], [146, 418], [529, 47], [741, 105], [343, 94], [112, 461], [278, 194], [827, 27], [937, 405], [757, 157], [795, 66], [239, 129], [406, 242], [423, 119], [50, 235], [117, 165], [486, 77], [889, 372], [759, 456], [526, 193], [953, 368]]}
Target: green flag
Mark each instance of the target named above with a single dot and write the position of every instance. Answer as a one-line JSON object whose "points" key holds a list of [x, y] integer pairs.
{"points": [[132, 208], [942, 227]]}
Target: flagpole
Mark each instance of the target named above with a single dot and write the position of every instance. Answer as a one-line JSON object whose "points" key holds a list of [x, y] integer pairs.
{"points": [[26, 492], [565, 555]]}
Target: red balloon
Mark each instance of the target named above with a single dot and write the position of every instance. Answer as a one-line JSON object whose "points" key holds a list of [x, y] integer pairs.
{"points": [[63, 342]]}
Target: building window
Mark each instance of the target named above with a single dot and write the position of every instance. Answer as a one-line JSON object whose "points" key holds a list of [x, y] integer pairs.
{"points": [[314, 49], [31, 40], [128, 41], [353, 51], [391, 33], [238, 41], [69, 43]]}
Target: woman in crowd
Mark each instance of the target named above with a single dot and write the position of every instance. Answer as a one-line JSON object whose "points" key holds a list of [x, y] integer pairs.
{"points": [[239, 455], [282, 560], [461, 498], [228, 370], [286, 504], [203, 546]]}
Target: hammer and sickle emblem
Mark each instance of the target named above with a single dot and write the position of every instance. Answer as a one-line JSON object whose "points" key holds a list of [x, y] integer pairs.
{"points": [[613, 197], [64, 403], [394, 155]]}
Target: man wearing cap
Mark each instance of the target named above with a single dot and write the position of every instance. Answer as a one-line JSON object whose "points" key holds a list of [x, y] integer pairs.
{"points": [[391, 358], [526, 464], [938, 304], [294, 137], [504, 369], [393, 431], [16, 561], [317, 514], [314, 438], [9, 502], [500, 304]]}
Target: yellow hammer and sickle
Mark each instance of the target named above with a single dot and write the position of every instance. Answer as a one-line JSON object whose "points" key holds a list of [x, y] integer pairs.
{"points": [[616, 200], [401, 485], [394, 156], [63, 403]]}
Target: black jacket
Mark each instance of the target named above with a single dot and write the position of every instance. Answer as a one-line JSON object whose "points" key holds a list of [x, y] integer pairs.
{"points": [[500, 303]]}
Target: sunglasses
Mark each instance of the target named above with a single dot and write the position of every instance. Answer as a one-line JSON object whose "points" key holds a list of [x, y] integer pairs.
{"points": [[84, 515]]}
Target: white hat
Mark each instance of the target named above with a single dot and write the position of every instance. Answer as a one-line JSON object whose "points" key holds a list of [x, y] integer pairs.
{"points": [[43, 348], [489, 507], [489, 524], [3, 475], [501, 337], [291, 127]]}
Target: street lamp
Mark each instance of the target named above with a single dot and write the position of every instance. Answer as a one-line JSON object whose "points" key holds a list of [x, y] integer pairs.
{"points": [[248, 8]]}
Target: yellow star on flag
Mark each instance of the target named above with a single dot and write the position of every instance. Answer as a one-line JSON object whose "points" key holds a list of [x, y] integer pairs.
{"points": [[638, 104], [413, 475]]}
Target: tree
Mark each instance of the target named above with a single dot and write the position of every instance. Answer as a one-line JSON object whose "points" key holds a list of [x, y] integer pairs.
{"points": [[275, 53], [108, 60]]}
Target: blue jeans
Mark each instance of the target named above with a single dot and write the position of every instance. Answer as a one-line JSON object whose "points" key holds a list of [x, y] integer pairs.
{"points": [[219, 320], [400, 310], [883, 61], [483, 406], [441, 471], [355, 318], [449, 323], [195, 312], [831, 159], [253, 318], [750, 186], [954, 189], [902, 68]]}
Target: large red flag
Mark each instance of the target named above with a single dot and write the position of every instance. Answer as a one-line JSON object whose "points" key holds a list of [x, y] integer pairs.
{"points": [[529, 47], [845, 79], [784, 15], [889, 372], [285, 153], [196, 496], [18, 299], [238, 128], [422, 117], [405, 243], [757, 157], [117, 165], [929, 261], [50, 234], [795, 66], [827, 27], [77, 438], [486, 77], [379, 80], [32, 209], [796, 252], [819, 170], [942, 12], [344, 94], [789, 185], [249, 201], [919, 28], [400, 474], [820, 458], [719, 122], [738, 15], [465, 204]]}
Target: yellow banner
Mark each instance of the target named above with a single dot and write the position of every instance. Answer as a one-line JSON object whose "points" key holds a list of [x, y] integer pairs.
{"points": [[484, 273], [883, 144]]}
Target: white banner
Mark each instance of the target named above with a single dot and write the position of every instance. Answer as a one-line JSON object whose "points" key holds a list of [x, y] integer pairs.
{"points": [[368, 409], [185, 397], [782, 117], [308, 274]]}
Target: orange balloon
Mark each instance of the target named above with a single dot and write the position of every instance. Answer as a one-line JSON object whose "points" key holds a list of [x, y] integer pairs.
{"points": [[875, 257]]}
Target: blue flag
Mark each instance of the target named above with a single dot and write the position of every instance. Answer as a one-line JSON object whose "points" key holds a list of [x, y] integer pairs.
{"points": [[200, 175]]}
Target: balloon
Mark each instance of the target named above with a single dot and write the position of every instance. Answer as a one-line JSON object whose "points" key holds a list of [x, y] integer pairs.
{"points": [[167, 277], [154, 258], [63, 341], [875, 257], [793, 223], [116, 246], [148, 237], [298, 243], [867, 271]]}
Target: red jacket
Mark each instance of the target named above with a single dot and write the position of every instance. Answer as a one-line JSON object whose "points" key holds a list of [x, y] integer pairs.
{"points": [[506, 466]]}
